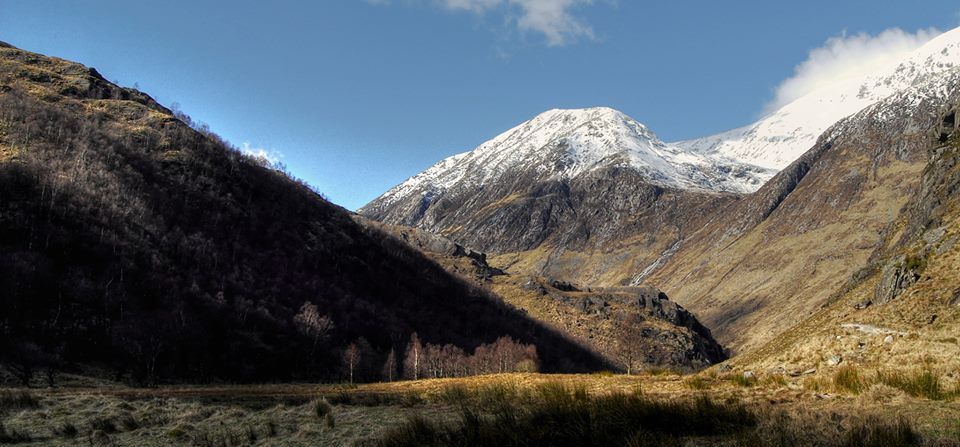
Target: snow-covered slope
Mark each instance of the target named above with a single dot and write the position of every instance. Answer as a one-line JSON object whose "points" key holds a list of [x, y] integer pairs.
{"points": [[783, 136], [563, 144], [566, 143]]}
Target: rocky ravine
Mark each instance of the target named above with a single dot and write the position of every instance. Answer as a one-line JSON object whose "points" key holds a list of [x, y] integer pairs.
{"points": [[632, 327]]}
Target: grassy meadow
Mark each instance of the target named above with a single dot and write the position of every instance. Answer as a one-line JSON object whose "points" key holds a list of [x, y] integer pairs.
{"points": [[846, 408]]}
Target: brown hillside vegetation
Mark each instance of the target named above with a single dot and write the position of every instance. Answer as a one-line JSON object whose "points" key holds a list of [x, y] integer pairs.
{"points": [[138, 245], [782, 253], [901, 314]]}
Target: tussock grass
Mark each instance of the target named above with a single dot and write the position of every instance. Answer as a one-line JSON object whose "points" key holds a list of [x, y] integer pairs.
{"points": [[66, 430], [9, 436], [924, 384], [558, 415], [698, 383], [367, 399], [743, 380], [848, 378], [17, 400], [879, 434], [321, 408], [453, 394], [774, 381], [103, 424], [329, 422], [658, 371]]}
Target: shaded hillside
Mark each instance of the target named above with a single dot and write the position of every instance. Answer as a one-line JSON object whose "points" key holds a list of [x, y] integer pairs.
{"points": [[632, 327], [130, 240]]}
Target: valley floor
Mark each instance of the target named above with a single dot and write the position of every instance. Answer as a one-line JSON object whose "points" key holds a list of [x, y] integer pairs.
{"points": [[757, 410]]}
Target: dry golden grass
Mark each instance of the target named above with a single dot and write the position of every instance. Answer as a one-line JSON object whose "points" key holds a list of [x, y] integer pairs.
{"points": [[296, 414]]}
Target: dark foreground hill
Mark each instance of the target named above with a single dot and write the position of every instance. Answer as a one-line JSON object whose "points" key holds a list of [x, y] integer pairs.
{"points": [[135, 243]]}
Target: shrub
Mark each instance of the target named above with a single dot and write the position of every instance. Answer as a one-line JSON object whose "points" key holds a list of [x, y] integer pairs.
{"points": [[848, 378]]}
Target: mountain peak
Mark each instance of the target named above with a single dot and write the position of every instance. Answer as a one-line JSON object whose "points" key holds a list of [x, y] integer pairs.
{"points": [[781, 137], [566, 143]]}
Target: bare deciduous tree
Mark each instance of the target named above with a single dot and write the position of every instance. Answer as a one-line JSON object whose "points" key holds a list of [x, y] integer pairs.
{"points": [[351, 356], [311, 323], [390, 366], [412, 359]]}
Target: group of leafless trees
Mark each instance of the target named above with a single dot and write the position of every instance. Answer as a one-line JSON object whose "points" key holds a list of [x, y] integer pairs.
{"points": [[423, 361]]}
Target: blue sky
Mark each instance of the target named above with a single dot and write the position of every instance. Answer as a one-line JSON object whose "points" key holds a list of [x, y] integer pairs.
{"points": [[357, 95]]}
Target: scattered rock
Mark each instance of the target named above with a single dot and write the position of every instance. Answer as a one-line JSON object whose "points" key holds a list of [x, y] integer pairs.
{"points": [[834, 360], [862, 305], [888, 339], [749, 375], [562, 285], [933, 318]]}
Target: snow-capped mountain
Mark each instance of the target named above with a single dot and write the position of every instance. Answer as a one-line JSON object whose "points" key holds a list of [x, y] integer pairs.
{"points": [[562, 144], [783, 136]]}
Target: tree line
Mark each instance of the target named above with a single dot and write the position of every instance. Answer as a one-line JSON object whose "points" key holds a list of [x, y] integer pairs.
{"points": [[426, 361]]}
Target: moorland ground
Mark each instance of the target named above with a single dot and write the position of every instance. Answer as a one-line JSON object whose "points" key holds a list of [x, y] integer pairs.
{"points": [[847, 407]]}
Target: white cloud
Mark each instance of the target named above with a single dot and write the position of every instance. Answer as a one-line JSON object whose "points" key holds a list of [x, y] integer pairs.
{"points": [[847, 56], [269, 157], [551, 18]]}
